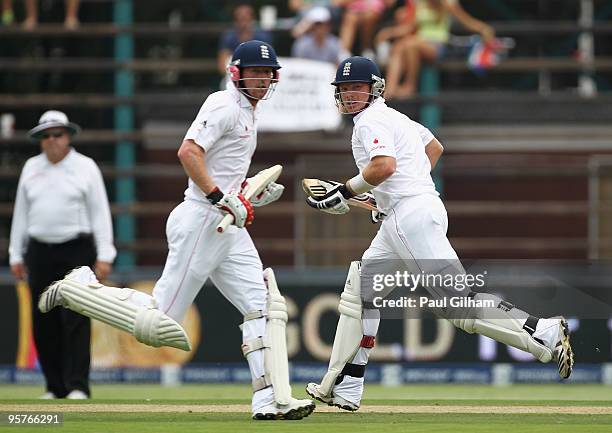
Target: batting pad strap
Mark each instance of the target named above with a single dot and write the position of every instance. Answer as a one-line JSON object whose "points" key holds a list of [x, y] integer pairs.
{"points": [[367, 341], [253, 345], [531, 324], [261, 383], [253, 315], [353, 370]]}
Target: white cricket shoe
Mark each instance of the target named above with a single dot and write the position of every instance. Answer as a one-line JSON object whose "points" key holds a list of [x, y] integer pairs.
{"points": [[77, 394], [296, 409], [554, 334], [313, 390], [47, 396], [563, 354], [52, 296]]}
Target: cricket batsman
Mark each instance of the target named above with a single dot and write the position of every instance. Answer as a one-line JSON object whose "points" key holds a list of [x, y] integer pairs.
{"points": [[216, 154], [395, 156]]}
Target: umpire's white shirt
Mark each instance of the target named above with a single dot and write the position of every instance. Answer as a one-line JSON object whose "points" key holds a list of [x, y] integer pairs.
{"points": [[381, 130], [226, 128], [57, 202]]}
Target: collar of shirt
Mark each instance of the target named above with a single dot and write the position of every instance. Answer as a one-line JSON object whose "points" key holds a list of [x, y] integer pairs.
{"points": [[380, 100], [66, 160], [242, 100]]}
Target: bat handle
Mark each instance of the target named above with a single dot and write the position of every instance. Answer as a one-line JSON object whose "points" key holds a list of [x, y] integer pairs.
{"points": [[225, 223]]}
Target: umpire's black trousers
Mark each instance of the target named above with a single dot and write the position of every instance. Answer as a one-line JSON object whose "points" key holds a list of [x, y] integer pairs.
{"points": [[62, 337]]}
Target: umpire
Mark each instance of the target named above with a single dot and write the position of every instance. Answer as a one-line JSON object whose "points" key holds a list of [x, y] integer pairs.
{"points": [[61, 220]]}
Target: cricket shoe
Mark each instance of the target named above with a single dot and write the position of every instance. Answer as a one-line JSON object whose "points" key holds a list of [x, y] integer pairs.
{"points": [[52, 296], [296, 409], [563, 353], [313, 390]]}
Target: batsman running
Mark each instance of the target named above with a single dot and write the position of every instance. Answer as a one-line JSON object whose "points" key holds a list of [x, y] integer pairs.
{"points": [[216, 154], [394, 156]]}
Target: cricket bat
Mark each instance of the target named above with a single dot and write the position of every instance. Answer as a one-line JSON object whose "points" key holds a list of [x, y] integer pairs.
{"points": [[317, 188], [256, 185]]}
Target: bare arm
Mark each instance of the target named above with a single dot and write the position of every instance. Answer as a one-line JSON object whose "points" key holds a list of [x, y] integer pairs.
{"points": [[193, 159], [379, 169], [393, 32], [471, 23], [295, 5], [434, 150]]}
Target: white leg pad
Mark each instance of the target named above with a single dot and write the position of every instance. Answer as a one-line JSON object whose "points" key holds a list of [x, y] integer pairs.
{"points": [[505, 324], [124, 309], [275, 356], [349, 331], [273, 343]]}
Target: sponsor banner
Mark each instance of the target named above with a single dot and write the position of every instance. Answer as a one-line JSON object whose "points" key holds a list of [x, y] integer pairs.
{"points": [[386, 374]]}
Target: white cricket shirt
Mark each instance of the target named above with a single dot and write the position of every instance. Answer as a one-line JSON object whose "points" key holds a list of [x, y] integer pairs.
{"points": [[226, 128], [57, 202], [382, 131]]}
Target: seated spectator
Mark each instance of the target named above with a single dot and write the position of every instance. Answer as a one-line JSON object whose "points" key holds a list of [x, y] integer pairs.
{"points": [[315, 40], [423, 39], [71, 18], [8, 16], [244, 30], [301, 8], [363, 15]]}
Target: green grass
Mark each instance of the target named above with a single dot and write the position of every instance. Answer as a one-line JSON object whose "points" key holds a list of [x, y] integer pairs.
{"points": [[441, 395], [336, 423]]}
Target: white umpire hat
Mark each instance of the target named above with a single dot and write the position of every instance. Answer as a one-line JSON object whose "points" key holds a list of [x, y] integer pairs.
{"points": [[53, 119]]}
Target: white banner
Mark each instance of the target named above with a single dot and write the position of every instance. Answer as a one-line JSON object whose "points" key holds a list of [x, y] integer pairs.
{"points": [[303, 100]]}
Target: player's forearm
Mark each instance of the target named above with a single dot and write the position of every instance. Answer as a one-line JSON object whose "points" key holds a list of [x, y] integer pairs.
{"points": [[434, 150], [379, 169], [194, 163]]}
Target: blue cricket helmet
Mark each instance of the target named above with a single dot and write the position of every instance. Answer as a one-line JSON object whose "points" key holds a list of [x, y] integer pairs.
{"points": [[255, 53], [357, 69]]}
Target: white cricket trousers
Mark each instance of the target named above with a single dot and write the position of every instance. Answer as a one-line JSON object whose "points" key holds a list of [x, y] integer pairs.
{"points": [[197, 252], [412, 237], [414, 230]]}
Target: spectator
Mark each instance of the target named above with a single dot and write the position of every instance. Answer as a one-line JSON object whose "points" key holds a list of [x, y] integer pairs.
{"points": [[61, 220], [8, 16], [71, 18], [363, 15], [244, 30], [424, 39], [316, 41], [301, 8]]}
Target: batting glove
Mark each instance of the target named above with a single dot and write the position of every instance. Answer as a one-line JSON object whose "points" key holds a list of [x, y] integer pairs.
{"points": [[334, 202], [271, 193], [376, 216], [233, 203]]}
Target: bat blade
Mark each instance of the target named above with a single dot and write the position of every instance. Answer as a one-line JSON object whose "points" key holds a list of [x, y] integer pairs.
{"points": [[256, 185], [317, 188]]}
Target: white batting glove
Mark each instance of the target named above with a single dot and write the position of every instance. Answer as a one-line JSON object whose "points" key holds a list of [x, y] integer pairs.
{"points": [[233, 203], [271, 193], [334, 202]]}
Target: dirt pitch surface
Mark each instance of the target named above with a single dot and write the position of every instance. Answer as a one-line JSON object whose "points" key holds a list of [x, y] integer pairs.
{"points": [[240, 408]]}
